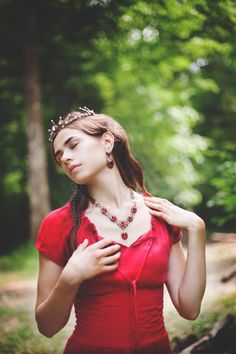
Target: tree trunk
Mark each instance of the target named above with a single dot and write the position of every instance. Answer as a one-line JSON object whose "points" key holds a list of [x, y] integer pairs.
{"points": [[220, 340], [38, 181]]}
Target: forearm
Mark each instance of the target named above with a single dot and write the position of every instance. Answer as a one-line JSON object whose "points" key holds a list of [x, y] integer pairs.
{"points": [[193, 283], [54, 312]]}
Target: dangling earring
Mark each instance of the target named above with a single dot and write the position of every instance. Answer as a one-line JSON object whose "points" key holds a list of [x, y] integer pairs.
{"points": [[110, 161]]}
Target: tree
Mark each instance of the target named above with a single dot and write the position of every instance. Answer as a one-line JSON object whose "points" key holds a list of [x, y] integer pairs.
{"points": [[38, 179], [37, 35], [175, 69], [163, 69]]}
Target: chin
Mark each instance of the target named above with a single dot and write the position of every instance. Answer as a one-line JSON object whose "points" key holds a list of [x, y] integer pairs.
{"points": [[82, 181], [85, 178]]}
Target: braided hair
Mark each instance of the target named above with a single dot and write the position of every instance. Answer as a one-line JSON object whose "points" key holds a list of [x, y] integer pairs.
{"points": [[130, 170]]}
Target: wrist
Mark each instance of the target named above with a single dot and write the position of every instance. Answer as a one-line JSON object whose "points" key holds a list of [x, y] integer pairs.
{"points": [[197, 225], [69, 279]]}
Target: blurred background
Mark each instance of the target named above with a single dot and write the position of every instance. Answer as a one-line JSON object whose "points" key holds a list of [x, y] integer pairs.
{"points": [[164, 69]]}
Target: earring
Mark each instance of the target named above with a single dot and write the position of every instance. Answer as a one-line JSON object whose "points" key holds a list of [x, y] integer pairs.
{"points": [[110, 161]]}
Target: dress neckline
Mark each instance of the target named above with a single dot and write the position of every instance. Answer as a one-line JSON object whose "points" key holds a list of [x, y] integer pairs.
{"points": [[139, 239]]}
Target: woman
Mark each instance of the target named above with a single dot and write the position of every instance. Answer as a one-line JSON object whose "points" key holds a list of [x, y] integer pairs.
{"points": [[110, 250]]}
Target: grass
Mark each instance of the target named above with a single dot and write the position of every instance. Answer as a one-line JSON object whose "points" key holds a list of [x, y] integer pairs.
{"points": [[206, 321], [19, 264], [18, 332], [19, 336]]}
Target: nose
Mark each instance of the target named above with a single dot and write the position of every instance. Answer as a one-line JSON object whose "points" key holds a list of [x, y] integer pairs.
{"points": [[66, 157]]}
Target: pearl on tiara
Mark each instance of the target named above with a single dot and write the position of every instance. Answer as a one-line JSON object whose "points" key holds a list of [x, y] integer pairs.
{"points": [[62, 123]]}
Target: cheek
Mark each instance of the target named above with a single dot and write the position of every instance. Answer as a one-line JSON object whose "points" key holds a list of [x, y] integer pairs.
{"points": [[95, 154], [92, 164], [97, 159]]}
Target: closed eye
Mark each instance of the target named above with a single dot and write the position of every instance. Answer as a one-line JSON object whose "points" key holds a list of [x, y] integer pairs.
{"points": [[71, 143], [74, 145]]}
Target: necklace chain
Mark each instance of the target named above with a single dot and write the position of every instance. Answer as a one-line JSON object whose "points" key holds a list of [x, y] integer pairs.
{"points": [[121, 223]]}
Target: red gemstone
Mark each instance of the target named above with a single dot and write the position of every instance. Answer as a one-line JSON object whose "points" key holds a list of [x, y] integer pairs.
{"points": [[124, 235], [122, 223], [113, 218], [130, 218], [104, 210], [134, 209]]}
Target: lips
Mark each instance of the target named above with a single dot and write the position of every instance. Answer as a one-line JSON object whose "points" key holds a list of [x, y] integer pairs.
{"points": [[73, 167]]}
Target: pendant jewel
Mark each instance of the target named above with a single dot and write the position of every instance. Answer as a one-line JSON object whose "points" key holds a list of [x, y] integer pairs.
{"points": [[124, 235]]}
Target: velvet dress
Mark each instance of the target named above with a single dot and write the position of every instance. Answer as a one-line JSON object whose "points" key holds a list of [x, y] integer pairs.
{"points": [[119, 312]]}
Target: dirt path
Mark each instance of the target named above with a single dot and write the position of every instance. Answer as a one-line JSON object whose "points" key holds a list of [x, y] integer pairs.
{"points": [[220, 256]]}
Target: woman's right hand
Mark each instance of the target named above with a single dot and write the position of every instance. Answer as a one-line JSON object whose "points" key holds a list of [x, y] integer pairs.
{"points": [[89, 261]]}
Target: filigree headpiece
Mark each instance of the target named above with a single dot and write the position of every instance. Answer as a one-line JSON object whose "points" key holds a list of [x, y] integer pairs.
{"points": [[63, 122]]}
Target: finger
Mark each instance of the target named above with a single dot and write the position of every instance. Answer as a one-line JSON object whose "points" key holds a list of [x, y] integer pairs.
{"points": [[156, 206], [160, 215], [152, 199], [111, 259], [110, 268], [102, 243], [110, 250], [157, 200], [83, 245], [166, 202]]}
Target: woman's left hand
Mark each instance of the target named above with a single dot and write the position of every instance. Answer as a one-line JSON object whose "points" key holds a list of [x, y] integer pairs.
{"points": [[173, 214]]}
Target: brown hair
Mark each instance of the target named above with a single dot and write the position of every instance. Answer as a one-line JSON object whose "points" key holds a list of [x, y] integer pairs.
{"points": [[130, 170]]}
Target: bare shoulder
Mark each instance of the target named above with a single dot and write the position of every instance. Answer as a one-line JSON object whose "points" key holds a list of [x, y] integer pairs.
{"points": [[138, 197], [143, 210]]}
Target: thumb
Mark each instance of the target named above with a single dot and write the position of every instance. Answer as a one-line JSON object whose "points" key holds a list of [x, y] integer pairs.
{"points": [[83, 244]]}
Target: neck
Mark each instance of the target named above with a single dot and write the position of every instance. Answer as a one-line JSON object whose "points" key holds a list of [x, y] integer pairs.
{"points": [[110, 190]]}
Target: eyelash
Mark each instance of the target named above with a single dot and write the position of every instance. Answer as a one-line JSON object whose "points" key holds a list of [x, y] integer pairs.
{"points": [[73, 146]]}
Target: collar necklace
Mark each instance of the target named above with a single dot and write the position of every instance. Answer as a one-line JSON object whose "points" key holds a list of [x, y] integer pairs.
{"points": [[121, 223]]}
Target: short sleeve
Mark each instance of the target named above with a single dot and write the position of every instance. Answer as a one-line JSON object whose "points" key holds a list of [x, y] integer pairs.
{"points": [[175, 234], [52, 235]]}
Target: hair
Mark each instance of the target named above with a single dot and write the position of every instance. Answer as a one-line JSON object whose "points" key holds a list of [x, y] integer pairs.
{"points": [[130, 170]]}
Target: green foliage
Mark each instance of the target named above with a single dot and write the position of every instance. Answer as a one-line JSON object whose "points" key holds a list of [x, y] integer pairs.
{"points": [[224, 183], [163, 141], [206, 321], [18, 336], [158, 74], [172, 87], [23, 261], [164, 69]]}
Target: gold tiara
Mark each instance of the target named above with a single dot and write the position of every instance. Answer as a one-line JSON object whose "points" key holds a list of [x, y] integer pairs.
{"points": [[63, 122]]}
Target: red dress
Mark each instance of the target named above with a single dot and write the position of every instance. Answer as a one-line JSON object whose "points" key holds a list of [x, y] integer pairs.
{"points": [[120, 312]]}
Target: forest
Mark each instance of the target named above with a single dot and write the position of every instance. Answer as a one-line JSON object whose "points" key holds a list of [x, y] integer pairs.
{"points": [[164, 69]]}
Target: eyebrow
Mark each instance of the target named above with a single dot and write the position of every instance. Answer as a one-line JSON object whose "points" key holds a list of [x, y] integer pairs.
{"points": [[65, 143]]}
